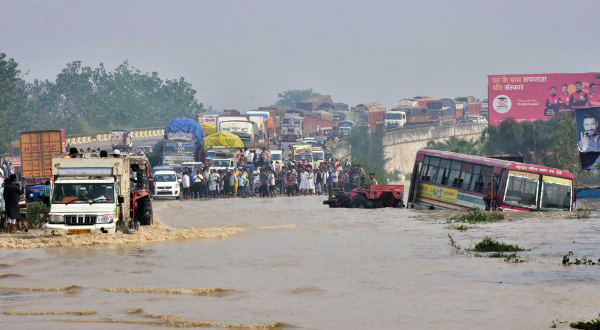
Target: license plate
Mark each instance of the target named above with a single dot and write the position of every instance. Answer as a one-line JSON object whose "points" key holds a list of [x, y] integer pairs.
{"points": [[80, 231]]}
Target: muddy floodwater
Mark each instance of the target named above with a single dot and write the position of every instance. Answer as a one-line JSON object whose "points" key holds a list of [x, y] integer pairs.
{"points": [[294, 263]]}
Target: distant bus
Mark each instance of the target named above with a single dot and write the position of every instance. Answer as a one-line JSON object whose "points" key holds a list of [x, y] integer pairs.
{"points": [[449, 180]]}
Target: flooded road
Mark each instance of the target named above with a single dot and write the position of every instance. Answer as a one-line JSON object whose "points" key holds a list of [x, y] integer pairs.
{"points": [[293, 262]]}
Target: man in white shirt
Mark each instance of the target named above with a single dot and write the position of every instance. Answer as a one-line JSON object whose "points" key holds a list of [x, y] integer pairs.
{"points": [[185, 182]]}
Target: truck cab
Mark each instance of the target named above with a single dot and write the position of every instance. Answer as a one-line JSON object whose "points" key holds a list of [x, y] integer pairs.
{"points": [[395, 119], [98, 195]]}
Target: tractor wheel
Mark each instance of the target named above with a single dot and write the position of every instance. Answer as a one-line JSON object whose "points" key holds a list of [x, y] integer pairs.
{"points": [[360, 202], [147, 218], [399, 204]]}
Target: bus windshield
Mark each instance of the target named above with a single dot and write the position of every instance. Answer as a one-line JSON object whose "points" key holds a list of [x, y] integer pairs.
{"points": [[522, 189], [556, 193]]}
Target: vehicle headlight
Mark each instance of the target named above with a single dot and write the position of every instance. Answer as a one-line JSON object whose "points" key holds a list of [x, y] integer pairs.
{"points": [[104, 219], [57, 219]]}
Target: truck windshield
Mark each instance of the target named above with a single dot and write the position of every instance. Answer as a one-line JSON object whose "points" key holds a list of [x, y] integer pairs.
{"points": [[65, 193], [307, 158], [275, 157], [179, 149], [318, 156], [165, 178], [220, 163], [393, 116]]}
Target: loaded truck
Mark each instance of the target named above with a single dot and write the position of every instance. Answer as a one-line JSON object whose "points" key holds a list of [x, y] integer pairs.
{"points": [[367, 197], [99, 195], [372, 114], [120, 139], [183, 142], [241, 126], [37, 150]]}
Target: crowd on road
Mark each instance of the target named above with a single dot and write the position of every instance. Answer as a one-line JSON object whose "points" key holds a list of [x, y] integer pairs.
{"points": [[267, 178]]}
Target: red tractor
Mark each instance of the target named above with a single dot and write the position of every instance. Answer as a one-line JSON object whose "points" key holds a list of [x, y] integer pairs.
{"points": [[371, 196]]}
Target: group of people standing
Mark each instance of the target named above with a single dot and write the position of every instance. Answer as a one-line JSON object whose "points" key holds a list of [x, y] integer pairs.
{"points": [[268, 178]]}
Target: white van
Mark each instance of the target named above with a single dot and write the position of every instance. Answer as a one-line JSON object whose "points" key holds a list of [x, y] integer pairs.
{"points": [[166, 184]]}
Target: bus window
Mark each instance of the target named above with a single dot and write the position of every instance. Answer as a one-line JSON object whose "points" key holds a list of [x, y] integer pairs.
{"points": [[556, 194], [442, 177], [453, 178], [521, 190], [465, 175]]}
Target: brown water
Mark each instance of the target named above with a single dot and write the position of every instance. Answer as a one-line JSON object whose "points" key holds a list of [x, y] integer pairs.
{"points": [[293, 262]]}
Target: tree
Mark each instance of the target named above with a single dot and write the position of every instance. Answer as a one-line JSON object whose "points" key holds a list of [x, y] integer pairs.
{"points": [[85, 99], [14, 111], [290, 97], [565, 155], [454, 144]]}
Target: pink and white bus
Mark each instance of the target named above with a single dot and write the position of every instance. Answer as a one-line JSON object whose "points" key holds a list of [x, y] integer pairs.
{"points": [[449, 180]]}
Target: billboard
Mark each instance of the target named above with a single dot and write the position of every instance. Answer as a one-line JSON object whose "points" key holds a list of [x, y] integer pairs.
{"points": [[588, 136], [540, 96]]}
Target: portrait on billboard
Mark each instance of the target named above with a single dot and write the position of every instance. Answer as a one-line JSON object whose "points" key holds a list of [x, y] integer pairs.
{"points": [[530, 97], [588, 136]]}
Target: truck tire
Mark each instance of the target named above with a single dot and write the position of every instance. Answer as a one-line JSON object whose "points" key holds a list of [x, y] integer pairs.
{"points": [[360, 202], [399, 204], [147, 214]]}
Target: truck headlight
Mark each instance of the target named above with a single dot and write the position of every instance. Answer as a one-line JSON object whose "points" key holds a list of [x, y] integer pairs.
{"points": [[57, 219], [104, 219]]}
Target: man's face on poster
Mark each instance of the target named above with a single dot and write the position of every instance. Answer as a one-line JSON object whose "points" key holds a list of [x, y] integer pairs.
{"points": [[593, 89], [553, 91], [578, 87], [590, 125], [564, 89]]}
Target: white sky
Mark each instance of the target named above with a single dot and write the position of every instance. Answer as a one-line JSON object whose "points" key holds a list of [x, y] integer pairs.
{"points": [[240, 54]]}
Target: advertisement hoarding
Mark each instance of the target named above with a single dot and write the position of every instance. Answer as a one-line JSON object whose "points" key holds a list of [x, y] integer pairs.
{"points": [[540, 96], [588, 136]]}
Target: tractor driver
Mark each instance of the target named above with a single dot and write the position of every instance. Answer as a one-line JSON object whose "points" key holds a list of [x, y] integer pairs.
{"points": [[372, 178]]}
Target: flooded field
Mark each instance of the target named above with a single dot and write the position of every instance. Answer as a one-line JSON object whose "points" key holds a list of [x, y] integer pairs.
{"points": [[294, 263]]}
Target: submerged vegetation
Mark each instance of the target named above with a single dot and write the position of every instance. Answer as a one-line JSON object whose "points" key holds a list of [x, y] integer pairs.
{"points": [[488, 244], [476, 216], [581, 214], [584, 261], [594, 324]]}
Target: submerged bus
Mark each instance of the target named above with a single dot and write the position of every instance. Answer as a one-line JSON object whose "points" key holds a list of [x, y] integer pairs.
{"points": [[449, 180]]}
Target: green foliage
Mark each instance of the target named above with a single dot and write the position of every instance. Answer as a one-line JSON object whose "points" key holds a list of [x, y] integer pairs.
{"points": [[581, 214], [532, 140], [155, 157], [594, 324], [37, 213], [15, 114], [461, 227], [475, 216], [290, 97], [566, 156], [488, 244], [583, 261], [367, 150], [454, 144], [85, 99]]}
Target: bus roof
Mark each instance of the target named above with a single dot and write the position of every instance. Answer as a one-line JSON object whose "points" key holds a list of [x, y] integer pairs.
{"points": [[494, 162]]}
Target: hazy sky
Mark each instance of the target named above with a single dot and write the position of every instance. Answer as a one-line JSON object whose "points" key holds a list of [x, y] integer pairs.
{"points": [[240, 54]]}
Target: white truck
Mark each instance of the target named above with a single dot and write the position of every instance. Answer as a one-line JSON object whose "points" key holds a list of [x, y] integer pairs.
{"points": [[99, 195], [239, 125]]}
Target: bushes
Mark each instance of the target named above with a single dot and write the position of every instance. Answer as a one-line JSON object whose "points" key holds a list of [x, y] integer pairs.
{"points": [[37, 213]]}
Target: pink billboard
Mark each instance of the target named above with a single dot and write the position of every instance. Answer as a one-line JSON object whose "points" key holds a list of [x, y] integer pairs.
{"points": [[540, 96]]}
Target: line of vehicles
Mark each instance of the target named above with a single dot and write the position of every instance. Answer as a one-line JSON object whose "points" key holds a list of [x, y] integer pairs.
{"points": [[423, 110]]}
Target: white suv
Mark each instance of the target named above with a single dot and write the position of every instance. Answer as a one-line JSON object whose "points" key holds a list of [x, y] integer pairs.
{"points": [[166, 184]]}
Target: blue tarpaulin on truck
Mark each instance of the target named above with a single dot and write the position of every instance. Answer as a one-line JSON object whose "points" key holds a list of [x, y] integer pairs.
{"points": [[186, 125]]}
